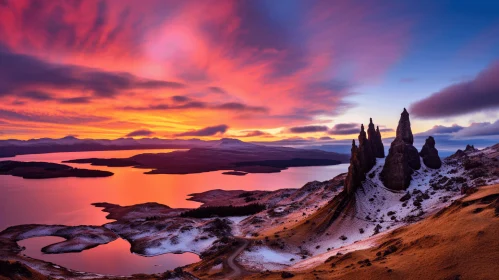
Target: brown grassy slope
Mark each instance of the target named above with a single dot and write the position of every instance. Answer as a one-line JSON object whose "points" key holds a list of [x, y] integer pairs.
{"points": [[459, 242]]}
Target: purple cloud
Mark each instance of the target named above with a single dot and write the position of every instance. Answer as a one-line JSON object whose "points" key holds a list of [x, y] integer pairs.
{"points": [[18, 71], [44, 118], [180, 99], [217, 90], [236, 106], [441, 129], [230, 106], [479, 94], [254, 133], [308, 129], [345, 129], [140, 132], [207, 131], [36, 95], [479, 129]]}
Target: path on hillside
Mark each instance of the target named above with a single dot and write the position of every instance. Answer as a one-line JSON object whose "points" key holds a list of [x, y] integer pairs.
{"points": [[236, 268]]}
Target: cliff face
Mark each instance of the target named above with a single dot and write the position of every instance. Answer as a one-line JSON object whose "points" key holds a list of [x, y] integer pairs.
{"points": [[402, 157], [430, 154]]}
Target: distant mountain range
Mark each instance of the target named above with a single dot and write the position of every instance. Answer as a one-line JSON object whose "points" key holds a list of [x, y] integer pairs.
{"points": [[12, 147]]}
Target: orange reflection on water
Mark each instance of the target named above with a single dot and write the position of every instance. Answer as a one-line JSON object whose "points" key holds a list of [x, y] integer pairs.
{"points": [[113, 258]]}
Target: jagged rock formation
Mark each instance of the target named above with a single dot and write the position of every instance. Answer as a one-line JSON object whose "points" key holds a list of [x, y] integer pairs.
{"points": [[402, 157], [374, 137], [430, 154], [354, 177], [366, 155], [470, 148], [363, 158]]}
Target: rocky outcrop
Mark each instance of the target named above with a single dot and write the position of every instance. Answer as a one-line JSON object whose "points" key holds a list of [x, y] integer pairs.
{"points": [[403, 157], [470, 148], [366, 155], [375, 141], [430, 154], [355, 176], [362, 160]]}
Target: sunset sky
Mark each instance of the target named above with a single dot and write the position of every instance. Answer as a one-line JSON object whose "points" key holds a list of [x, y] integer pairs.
{"points": [[254, 70]]}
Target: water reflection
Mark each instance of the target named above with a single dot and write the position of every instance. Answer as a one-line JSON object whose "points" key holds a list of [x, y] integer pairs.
{"points": [[113, 258], [67, 200]]}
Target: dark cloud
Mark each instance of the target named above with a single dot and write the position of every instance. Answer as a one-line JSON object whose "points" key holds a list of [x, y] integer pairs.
{"points": [[345, 129], [308, 129], [326, 138], [140, 132], [479, 94], [385, 129], [18, 71], [36, 95], [207, 131], [42, 96], [217, 90], [75, 100], [254, 133], [479, 129], [180, 98], [163, 106], [441, 129], [44, 118], [235, 106], [191, 104]]}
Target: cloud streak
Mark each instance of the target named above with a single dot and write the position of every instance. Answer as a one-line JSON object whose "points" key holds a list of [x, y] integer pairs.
{"points": [[479, 129], [308, 129], [19, 71], [477, 95], [140, 132], [207, 131]]}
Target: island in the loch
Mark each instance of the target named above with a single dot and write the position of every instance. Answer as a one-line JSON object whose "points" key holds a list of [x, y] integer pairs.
{"points": [[235, 156], [47, 170]]}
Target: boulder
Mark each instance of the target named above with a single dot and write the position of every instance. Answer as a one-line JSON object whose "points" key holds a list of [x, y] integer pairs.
{"points": [[430, 154]]}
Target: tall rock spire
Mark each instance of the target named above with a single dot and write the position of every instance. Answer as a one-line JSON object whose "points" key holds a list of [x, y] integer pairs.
{"points": [[380, 148], [404, 131], [403, 157], [354, 176], [366, 155], [375, 140], [362, 161]]}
